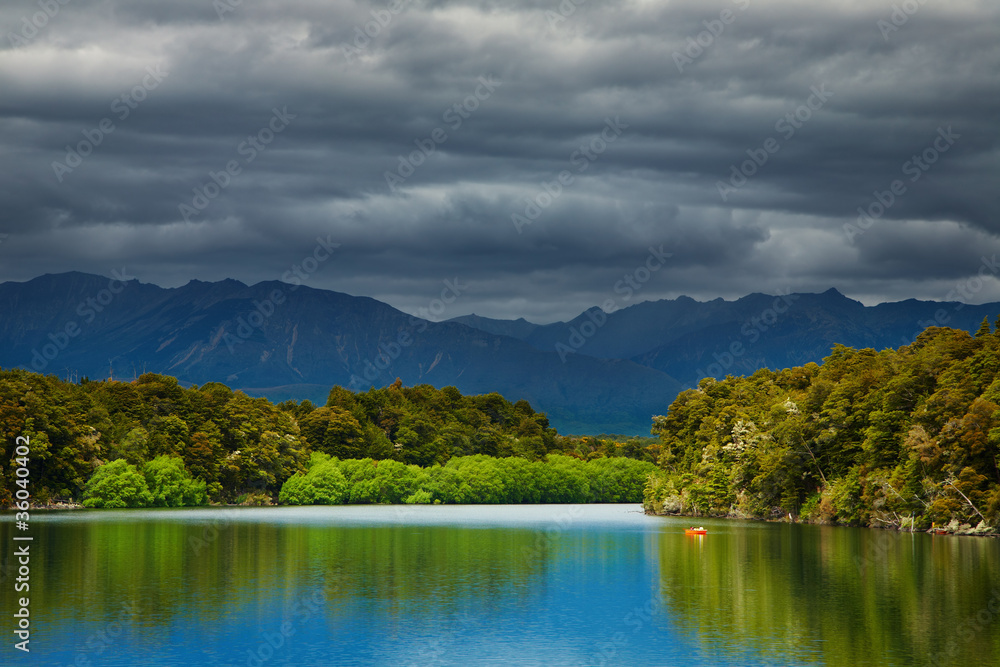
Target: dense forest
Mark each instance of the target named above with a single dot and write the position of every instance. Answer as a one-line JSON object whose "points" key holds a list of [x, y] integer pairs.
{"points": [[152, 442], [904, 439]]}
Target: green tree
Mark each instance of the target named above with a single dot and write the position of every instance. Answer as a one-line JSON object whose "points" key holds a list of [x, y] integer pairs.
{"points": [[984, 328], [334, 431], [323, 484], [134, 447], [117, 484], [171, 485]]}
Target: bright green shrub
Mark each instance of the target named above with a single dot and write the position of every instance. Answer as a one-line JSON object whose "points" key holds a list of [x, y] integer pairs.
{"points": [[324, 484], [117, 484], [171, 485]]}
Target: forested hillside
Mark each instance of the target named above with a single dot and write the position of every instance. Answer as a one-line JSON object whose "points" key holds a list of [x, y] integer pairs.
{"points": [[95, 441], [289, 341], [898, 438]]}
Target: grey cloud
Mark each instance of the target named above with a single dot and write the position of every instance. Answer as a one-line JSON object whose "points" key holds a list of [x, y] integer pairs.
{"points": [[325, 174]]}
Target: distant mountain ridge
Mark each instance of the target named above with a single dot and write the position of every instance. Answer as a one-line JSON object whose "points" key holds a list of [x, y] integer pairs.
{"points": [[519, 328], [286, 341], [597, 373], [690, 339]]}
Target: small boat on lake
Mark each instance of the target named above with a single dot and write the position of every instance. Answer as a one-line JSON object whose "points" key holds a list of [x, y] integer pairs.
{"points": [[701, 530]]}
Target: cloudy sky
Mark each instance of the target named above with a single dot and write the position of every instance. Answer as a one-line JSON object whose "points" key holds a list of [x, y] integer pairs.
{"points": [[428, 139]]}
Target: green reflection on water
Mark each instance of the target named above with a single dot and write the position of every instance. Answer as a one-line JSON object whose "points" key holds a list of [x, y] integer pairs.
{"points": [[177, 566], [747, 593], [835, 596]]}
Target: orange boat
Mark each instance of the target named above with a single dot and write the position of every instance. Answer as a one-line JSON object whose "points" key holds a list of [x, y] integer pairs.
{"points": [[696, 531]]}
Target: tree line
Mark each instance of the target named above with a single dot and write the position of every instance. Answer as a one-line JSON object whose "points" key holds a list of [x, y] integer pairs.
{"points": [[152, 442], [906, 438], [475, 479]]}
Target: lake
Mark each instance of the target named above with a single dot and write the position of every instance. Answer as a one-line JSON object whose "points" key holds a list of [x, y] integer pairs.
{"points": [[493, 585]]}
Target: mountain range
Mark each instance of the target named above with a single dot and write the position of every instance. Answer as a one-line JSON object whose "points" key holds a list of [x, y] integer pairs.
{"points": [[599, 373], [689, 340]]}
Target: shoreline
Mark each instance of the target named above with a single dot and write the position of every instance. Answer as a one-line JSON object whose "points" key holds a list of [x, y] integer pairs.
{"points": [[962, 530]]}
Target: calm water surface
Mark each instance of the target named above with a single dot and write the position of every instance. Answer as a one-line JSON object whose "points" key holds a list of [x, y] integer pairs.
{"points": [[494, 585]]}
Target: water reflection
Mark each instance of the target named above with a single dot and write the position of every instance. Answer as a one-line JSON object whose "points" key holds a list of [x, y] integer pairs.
{"points": [[552, 585], [834, 596]]}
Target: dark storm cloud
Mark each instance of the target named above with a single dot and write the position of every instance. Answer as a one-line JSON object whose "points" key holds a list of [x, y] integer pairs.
{"points": [[549, 76]]}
